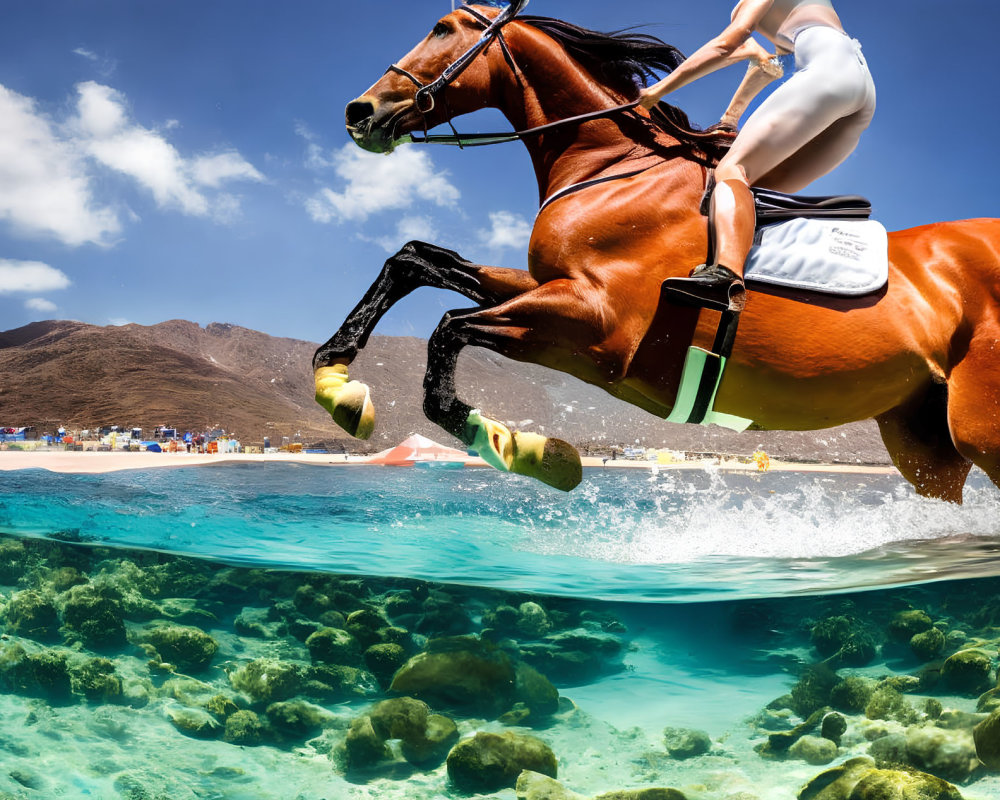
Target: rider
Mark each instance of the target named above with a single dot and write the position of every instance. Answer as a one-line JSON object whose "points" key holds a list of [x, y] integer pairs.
{"points": [[808, 125]]}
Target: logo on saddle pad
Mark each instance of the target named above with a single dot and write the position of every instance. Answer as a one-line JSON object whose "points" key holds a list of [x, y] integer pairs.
{"points": [[835, 256]]}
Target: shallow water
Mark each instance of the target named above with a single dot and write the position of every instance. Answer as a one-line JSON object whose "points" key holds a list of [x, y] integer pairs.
{"points": [[697, 594]]}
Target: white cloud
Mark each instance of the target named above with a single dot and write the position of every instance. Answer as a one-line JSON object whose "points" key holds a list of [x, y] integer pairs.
{"points": [[109, 136], [44, 186], [88, 54], [408, 228], [374, 183], [30, 276], [507, 230], [40, 304]]}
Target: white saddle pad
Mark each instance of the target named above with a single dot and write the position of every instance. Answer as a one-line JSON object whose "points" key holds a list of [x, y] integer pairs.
{"points": [[844, 257]]}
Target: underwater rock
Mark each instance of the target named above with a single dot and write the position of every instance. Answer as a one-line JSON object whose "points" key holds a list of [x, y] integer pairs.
{"points": [[833, 727], [433, 746], [844, 638], [814, 750], [268, 680], [363, 747], [13, 561], [813, 689], [32, 615], [310, 601], [489, 762], [96, 680], [684, 743], [643, 794], [780, 742], [333, 646], [949, 754], [503, 618], [888, 703], [255, 623], [889, 751], [907, 624], [535, 786], [296, 719], [383, 660], [402, 603], [852, 694], [364, 626], [425, 738], [967, 671], [244, 728], [461, 672], [95, 615], [194, 722], [440, 615], [860, 779], [987, 740], [535, 691], [574, 657], [928, 645], [532, 621], [188, 649], [220, 706], [334, 683], [42, 674]]}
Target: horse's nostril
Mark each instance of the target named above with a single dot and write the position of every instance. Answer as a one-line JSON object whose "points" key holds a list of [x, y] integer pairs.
{"points": [[358, 111]]}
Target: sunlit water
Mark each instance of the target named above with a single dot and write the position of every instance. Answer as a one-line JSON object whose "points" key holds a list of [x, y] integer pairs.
{"points": [[623, 534], [717, 576]]}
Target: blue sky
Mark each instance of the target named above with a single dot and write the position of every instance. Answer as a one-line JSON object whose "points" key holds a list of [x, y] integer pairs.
{"points": [[188, 159]]}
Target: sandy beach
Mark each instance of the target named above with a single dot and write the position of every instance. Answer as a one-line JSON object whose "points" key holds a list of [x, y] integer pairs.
{"points": [[97, 462]]}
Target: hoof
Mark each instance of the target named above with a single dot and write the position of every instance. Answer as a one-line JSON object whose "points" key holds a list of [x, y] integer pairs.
{"points": [[551, 461], [349, 402]]}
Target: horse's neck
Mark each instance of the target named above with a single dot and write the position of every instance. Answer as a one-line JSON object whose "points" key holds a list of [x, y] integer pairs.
{"points": [[550, 87]]}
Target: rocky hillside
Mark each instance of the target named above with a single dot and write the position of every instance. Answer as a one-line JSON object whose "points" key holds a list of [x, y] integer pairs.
{"points": [[252, 384]]}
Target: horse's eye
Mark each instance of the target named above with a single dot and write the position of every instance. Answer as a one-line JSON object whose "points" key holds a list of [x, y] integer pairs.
{"points": [[440, 30]]}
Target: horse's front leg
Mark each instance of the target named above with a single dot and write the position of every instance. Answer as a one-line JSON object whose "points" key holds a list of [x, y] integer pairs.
{"points": [[416, 264], [553, 325]]}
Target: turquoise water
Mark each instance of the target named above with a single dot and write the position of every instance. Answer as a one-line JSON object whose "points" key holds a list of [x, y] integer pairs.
{"points": [[703, 601], [624, 534]]}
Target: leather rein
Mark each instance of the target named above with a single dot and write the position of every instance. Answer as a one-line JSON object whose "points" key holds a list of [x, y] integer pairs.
{"points": [[425, 98]]}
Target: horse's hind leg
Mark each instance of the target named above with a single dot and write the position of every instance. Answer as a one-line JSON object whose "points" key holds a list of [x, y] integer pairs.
{"points": [[416, 264], [974, 403], [919, 441]]}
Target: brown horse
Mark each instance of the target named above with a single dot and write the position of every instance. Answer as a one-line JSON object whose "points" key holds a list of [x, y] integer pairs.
{"points": [[922, 357]]}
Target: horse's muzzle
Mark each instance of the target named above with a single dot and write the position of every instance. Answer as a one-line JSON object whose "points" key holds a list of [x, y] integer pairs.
{"points": [[372, 124]]}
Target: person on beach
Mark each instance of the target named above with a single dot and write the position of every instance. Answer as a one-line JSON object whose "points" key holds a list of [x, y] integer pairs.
{"points": [[808, 125]]}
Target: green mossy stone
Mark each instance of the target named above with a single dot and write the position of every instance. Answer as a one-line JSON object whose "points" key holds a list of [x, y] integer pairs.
{"points": [[42, 674], [296, 719], [196, 723], [96, 680], [683, 743], [432, 746], [363, 747], [13, 561], [894, 784], [188, 649], [383, 660], [268, 680], [333, 646], [813, 689], [906, 624], [536, 691], [829, 634], [967, 672], [244, 728], [399, 718], [948, 754], [928, 645], [852, 694], [889, 704], [220, 706], [987, 740], [815, 750], [333, 683], [534, 786], [489, 762], [643, 794], [32, 615], [95, 615]]}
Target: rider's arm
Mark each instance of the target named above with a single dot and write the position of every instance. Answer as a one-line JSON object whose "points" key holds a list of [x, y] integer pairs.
{"points": [[759, 74], [732, 45]]}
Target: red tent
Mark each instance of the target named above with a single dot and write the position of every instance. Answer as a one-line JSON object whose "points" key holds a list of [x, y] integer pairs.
{"points": [[417, 449]]}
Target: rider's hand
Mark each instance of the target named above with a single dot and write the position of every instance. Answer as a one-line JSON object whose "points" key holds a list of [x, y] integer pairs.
{"points": [[648, 98]]}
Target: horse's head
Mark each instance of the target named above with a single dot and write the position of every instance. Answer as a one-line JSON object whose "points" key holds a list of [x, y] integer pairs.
{"points": [[442, 77]]}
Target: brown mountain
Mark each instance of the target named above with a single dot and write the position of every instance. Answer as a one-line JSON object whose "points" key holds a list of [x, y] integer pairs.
{"points": [[252, 384]]}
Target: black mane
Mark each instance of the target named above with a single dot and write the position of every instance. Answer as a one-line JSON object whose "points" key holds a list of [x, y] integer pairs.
{"points": [[626, 61]]}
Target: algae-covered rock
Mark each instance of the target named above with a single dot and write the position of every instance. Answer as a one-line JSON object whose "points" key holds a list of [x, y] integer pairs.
{"points": [[96, 680], [32, 615], [967, 672], [244, 728], [220, 706], [532, 621], [643, 794], [188, 649], [296, 719], [535, 786], [432, 746], [814, 750], [906, 624], [333, 683], [889, 751], [928, 645], [460, 672], [852, 694], [383, 660], [425, 737], [813, 689], [13, 561], [574, 657], [364, 625], [987, 740], [684, 743], [833, 727], [363, 747], [333, 646], [860, 779], [489, 762], [535, 691], [95, 615], [888, 703], [42, 674], [268, 680], [195, 722], [948, 754], [845, 638]]}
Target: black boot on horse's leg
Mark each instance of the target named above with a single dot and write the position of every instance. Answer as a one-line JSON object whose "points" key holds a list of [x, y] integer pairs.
{"points": [[732, 219]]}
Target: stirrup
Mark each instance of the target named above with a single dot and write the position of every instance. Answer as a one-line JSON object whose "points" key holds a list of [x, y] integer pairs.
{"points": [[710, 286]]}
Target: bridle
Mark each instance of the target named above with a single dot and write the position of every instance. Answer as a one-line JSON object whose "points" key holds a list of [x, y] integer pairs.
{"points": [[426, 97]]}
